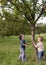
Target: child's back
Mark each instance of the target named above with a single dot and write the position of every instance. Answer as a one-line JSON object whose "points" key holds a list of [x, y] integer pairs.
{"points": [[40, 46]]}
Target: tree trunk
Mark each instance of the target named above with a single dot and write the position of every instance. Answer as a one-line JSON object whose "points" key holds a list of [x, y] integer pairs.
{"points": [[33, 39]]}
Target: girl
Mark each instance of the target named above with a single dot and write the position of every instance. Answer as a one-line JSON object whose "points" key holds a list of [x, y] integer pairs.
{"points": [[40, 47]]}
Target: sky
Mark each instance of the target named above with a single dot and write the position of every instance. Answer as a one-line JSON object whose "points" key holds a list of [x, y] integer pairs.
{"points": [[41, 20]]}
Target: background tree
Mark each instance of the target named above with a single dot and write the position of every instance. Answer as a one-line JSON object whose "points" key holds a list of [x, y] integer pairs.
{"points": [[28, 10]]}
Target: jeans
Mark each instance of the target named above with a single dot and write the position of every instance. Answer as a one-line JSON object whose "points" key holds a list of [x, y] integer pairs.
{"points": [[40, 55], [22, 55]]}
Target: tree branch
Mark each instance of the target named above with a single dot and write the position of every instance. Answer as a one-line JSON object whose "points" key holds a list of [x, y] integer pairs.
{"points": [[8, 18], [14, 5], [26, 5], [27, 17], [40, 14], [6, 6]]}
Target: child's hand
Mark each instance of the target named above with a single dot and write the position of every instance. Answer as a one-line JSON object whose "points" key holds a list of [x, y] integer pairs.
{"points": [[26, 45]]}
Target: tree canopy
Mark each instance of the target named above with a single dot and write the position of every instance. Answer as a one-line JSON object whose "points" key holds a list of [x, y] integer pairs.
{"points": [[30, 10]]}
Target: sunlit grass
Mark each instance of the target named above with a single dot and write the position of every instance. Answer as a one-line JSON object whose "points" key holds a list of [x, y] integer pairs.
{"points": [[9, 51]]}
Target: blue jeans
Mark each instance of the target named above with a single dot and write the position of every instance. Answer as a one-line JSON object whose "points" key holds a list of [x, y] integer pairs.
{"points": [[22, 55], [40, 55]]}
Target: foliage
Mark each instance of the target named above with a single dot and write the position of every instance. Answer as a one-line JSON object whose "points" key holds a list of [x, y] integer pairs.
{"points": [[41, 29], [21, 15], [13, 28], [24, 9], [8, 28]]}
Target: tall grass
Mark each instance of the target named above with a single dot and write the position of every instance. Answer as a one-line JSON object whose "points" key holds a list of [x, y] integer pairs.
{"points": [[9, 51]]}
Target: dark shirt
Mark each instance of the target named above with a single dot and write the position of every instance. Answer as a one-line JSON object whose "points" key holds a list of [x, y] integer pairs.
{"points": [[22, 41]]}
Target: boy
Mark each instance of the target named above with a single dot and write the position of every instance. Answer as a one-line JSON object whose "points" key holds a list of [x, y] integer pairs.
{"points": [[22, 48], [40, 47]]}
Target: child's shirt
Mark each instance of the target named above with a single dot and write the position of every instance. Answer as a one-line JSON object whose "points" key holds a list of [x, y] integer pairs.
{"points": [[21, 44], [40, 46]]}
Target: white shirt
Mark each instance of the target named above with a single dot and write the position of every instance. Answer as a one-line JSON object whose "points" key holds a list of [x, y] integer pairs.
{"points": [[40, 46]]}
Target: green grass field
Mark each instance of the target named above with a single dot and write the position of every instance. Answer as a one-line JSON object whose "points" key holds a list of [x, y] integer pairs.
{"points": [[9, 51]]}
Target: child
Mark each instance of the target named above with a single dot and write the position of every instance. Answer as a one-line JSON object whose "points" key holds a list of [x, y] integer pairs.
{"points": [[22, 48], [40, 47]]}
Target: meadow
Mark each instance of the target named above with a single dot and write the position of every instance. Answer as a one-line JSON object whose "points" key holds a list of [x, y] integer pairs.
{"points": [[9, 51]]}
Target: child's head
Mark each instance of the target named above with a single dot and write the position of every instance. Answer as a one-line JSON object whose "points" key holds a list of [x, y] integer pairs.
{"points": [[40, 39], [21, 36]]}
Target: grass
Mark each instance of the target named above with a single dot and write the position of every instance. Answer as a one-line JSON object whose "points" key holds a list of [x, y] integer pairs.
{"points": [[9, 51]]}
